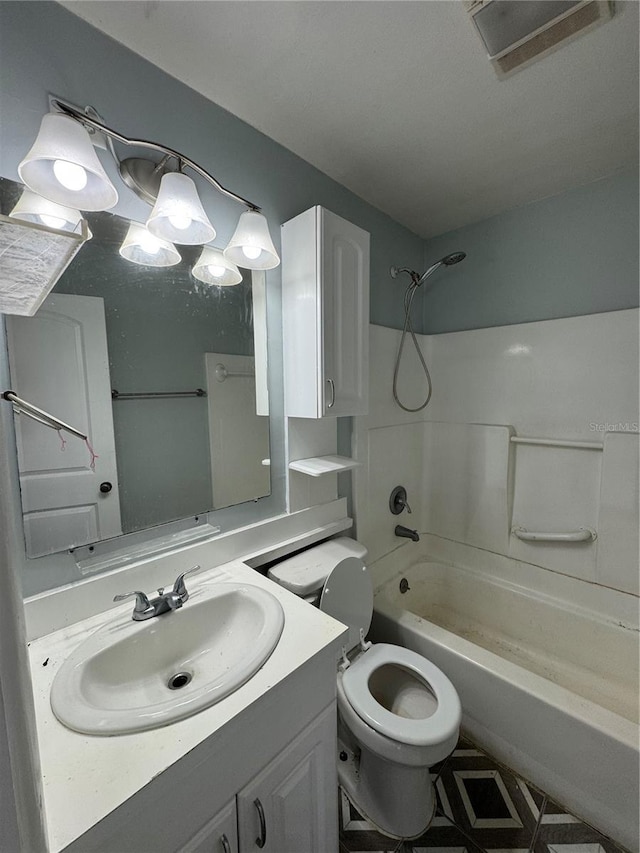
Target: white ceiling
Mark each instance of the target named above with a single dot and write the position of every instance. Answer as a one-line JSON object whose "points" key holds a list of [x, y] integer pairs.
{"points": [[397, 100]]}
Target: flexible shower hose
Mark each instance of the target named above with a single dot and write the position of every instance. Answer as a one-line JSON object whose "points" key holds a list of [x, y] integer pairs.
{"points": [[408, 299]]}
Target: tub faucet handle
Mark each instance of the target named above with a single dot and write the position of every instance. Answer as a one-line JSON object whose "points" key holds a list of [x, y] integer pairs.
{"points": [[398, 500]]}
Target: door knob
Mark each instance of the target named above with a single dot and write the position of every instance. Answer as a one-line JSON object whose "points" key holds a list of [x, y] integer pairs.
{"points": [[105, 488]]}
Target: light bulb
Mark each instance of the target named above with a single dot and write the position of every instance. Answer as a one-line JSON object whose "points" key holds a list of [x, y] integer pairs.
{"points": [[70, 175], [180, 220], [216, 271], [149, 244], [251, 252], [53, 221]]}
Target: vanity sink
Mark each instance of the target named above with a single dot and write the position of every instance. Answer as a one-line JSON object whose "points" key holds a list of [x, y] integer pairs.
{"points": [[130, 676]]}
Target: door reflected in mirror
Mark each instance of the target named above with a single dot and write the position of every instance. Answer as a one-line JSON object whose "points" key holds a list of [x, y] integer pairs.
{"points": [[160, 371]]}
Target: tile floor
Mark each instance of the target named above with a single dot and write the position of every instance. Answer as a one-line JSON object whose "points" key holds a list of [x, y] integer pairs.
{"points": [[481, 806]]}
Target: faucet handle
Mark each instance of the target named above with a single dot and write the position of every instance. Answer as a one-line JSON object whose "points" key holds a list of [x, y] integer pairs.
{"points": [[142, 602], [179, 588], [398, 500]]}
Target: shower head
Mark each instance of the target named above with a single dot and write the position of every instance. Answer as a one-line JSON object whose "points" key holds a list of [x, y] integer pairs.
{"points": [[447, 261], [417, 279], [454, 258]]}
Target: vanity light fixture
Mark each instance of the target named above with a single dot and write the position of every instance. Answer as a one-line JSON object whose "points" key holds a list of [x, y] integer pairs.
{"points": [[63, 166], [32, 207], [212, 267], [142, 247], [251, 245], [178, 214]]}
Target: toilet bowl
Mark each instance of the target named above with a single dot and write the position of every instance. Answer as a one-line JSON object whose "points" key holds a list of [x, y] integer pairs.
{"points": [[398, 714]]}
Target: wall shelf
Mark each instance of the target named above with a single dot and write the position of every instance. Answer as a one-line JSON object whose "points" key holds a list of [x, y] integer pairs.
{"points": [[316, 466]]}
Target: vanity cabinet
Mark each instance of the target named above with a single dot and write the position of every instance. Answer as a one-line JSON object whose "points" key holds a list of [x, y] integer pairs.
{"points": [[285, 808], [280, 753], [325, 298], [288, 802]]}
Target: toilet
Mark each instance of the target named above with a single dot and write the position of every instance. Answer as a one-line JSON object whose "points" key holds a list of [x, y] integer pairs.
{"points": [[398, 714]]}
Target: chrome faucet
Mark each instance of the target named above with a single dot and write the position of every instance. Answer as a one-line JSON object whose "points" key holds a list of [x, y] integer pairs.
{"points": [[164, 602], [406, 533]]}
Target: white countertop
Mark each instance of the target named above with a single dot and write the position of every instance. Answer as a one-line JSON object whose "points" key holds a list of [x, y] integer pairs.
{"points": [[85, 777]]}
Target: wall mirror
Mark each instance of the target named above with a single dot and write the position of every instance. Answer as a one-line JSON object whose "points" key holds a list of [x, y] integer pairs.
{"points": [[160, 371]]}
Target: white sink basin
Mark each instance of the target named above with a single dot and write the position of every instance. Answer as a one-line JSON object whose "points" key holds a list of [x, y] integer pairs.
{"points": [[130, 676]]}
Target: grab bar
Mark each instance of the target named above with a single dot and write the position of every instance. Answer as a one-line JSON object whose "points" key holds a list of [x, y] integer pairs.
{"points": [[557, 442], [583, 534]]}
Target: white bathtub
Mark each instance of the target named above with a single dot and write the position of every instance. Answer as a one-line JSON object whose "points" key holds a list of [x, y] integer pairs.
{"points": [[551, 691]]}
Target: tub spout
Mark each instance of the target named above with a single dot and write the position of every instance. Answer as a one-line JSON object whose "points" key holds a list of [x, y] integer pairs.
{"points": [[406, 533]]}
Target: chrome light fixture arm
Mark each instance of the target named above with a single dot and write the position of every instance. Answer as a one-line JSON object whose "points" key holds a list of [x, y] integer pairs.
{"points": [[182, 159]]}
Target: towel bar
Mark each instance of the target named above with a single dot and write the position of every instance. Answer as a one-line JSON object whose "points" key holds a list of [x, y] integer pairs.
{"points": [[23, 407]]}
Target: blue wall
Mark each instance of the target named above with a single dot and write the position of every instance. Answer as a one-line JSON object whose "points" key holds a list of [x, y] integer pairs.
{"points": [[573, 254]]}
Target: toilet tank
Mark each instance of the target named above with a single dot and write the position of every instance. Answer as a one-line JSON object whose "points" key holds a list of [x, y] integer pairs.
{"points": [[305, 574]]}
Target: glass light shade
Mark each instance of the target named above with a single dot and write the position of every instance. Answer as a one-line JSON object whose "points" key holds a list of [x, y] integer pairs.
{"points": [[178, 214], [141, 247], [213, 268], [63, 166], [32, 207], [251, 245]]}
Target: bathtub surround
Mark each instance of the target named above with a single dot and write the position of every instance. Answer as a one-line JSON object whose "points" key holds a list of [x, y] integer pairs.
{"points": [[470, 483]]}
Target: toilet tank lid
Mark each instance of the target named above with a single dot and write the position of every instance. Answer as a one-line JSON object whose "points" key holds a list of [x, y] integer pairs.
{"points": [[307, 571]]}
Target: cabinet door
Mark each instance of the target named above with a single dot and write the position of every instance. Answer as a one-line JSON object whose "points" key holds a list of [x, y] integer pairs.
{"points": [[219, 835], [344, 277], [291, 806]]}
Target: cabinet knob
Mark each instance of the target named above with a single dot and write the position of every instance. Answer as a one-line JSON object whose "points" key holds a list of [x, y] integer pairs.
{"points": [[261, 840]]}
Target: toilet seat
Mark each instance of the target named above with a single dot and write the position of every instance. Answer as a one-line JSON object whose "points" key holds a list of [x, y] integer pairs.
{"points": [[424, 732]]}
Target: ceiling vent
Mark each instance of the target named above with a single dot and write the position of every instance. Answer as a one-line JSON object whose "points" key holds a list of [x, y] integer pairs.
{"points": [[517, 32]]}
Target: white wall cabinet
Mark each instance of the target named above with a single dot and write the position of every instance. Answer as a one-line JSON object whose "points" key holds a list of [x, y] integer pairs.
{"points": [[325, 297]]}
